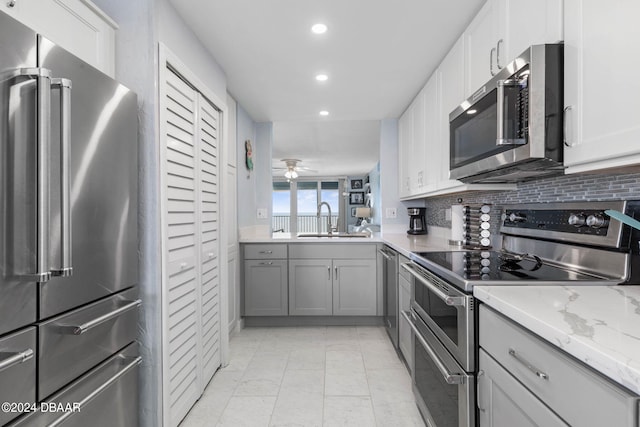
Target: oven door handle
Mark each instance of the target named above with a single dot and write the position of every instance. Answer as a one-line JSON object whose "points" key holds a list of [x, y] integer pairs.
{"points": [[448, 299], [448, 376]]}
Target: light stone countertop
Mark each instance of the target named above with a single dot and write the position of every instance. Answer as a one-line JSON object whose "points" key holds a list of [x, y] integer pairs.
{"points": [[599, 325], [436, 240]]}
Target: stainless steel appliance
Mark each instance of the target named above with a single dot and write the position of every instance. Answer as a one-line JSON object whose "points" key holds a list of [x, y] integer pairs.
{"points": [[510, 129], [417, 221], [550, 244], [68, 295], [390, 292]]}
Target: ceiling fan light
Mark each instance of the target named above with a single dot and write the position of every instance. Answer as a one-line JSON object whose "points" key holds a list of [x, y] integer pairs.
{"points": [[291, 174]]}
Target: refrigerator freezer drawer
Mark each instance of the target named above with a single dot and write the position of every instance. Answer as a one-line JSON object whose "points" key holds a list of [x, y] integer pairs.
{"points": [[17, 371], [107, 396], [73, 343]]}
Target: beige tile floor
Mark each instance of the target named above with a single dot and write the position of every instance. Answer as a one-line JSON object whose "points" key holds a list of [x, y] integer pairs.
{"points": [[309, 376]]}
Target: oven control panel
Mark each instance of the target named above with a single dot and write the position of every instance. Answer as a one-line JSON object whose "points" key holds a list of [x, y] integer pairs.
{"points": [[583, 221]]}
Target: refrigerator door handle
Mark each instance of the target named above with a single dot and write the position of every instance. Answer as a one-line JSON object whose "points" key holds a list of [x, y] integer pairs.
{"points": [[43, 77], [65, 268]]}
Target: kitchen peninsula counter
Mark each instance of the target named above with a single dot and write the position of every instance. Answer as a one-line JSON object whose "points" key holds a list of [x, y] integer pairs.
{"points": [[598, 325], [401, 242]]}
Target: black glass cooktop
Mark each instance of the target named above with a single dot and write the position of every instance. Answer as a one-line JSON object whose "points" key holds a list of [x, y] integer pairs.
{"points": [[465, 269]]}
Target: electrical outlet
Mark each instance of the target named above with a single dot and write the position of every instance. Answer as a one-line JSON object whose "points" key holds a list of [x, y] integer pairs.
{"points": [[262, 213], [447, 214], [391, 213]]}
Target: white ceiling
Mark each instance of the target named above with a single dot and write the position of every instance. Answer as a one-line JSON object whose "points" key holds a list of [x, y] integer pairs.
{"points": [[377, 54]]}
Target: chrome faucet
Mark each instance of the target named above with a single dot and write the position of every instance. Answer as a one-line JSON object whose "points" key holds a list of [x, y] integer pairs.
{"points": [[329, 227]]}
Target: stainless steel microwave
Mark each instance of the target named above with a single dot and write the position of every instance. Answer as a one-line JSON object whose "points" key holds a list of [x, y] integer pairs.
{"points": [[511, 129]]}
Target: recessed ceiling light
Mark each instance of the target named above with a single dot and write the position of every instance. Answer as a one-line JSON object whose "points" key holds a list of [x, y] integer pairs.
{"points": [[322, 77], [472, 111], [319, 28], [324, 113]]}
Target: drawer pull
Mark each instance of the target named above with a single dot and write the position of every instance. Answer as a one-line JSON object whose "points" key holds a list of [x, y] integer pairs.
{"points": [[12, 359], [267, 263], [449, 377], [384, 254], [81, 329], [528, 365], [266, 252], [133, 363], [448, 299]]}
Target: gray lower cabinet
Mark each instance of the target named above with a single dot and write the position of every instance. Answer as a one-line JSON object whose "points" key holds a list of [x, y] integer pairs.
{"points": [[525, 381], [339, 287], [265, 287], [503, 401], [354, 287], [311, 287]]}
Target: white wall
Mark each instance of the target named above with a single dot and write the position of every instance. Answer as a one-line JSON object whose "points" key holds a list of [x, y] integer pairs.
{"points": [[389, 174], [246, 130], [176, 35]]}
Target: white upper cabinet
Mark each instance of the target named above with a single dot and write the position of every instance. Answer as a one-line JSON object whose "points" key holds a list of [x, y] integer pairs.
{"points": [[78, 26], [417, 153], [503, 29], [602, 114], [452, 93], [430, 160], [528, 22], [405, 138], [481, 39]]}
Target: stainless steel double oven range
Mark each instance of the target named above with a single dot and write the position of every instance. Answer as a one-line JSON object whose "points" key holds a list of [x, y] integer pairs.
{"points": [[542, 244]]}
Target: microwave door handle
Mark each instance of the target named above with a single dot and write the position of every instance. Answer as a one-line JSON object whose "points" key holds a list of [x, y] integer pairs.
{"points": [[65, 268], [43, 77], [501, 119]]}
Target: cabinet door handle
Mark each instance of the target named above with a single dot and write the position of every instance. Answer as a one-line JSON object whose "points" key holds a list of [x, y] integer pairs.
{"points": [[329, 271], [565, 139], [528, 365], [336, 270], [500, 42], [478, 391], [493, 49]]}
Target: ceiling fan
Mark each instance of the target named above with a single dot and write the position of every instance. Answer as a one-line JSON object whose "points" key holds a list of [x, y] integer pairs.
{"points": [[291, 168]]}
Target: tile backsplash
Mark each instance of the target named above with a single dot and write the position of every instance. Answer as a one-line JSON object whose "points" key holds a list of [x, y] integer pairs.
{"points": [[563, 188]]}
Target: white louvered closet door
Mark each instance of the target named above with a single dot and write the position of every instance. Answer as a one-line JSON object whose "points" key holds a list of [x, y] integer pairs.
{"points": [[181, 281], [191, 317], [209, 131]]}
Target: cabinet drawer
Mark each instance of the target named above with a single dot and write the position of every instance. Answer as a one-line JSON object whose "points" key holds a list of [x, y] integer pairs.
{"points": [[265, 288], [105, 396], [265, 251], [73, 343], [576, 393], [503, 401], [332, 250], [17, 370]]}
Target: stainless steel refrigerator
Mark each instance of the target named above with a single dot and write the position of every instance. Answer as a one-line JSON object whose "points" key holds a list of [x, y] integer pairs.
{"points": [[68, 253]]}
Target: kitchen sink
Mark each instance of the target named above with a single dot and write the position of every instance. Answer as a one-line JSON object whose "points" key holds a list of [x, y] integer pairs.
{"points": [[337, 235]]}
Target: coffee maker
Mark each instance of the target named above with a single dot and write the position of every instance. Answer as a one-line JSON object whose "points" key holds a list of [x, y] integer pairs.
{"points": [[417, 221]]}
